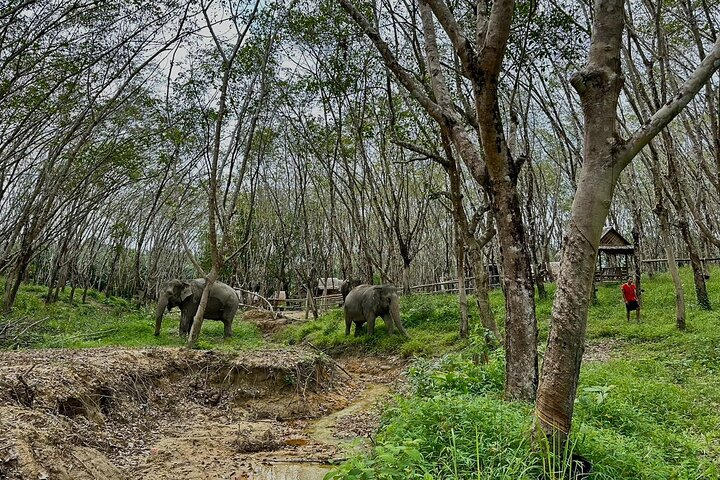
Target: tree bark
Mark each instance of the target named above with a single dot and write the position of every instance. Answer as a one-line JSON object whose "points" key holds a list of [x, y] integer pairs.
{"points": [[462, 294], [662, 215], [210, 279]]}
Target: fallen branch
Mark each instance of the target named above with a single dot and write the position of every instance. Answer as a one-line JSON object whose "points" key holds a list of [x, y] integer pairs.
{"points": [[274, 314]]}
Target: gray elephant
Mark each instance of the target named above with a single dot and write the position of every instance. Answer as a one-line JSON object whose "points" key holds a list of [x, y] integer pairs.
{"points": [[222, 303], [365, 303]]}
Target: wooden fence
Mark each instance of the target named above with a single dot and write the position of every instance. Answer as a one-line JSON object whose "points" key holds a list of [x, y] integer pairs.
{"points": [[451, 286], [327, 302], [656, 265], [323, 303]]}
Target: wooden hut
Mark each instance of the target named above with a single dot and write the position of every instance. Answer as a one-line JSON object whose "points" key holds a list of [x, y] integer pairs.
{"points": [[329, 286], [614, 256]]}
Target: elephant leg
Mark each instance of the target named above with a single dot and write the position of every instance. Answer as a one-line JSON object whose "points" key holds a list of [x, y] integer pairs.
{"points": [[371, 324], [348, 323], [228, 321], [388, 323], [182, 323], [185, 321]]}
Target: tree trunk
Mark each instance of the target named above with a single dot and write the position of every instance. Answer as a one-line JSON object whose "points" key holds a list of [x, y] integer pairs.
{"points": [[113, 267], [605, 155], [598, 85], [666, 237], [684, 225], [14, 278], [482, 288], [406, 277], [539, 273], [637, 235], [521, 368], [462, 294], [210, 279], [566, 342], [696, 264]]}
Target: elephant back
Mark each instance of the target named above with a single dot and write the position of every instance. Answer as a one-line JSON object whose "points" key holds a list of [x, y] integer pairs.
{"points": [[219, 289], [371, 297]]}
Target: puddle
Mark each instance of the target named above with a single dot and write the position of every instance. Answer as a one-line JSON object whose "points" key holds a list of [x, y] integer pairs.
{"points": [[288, 471]]}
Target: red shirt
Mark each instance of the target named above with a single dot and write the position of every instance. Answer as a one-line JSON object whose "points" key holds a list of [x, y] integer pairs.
{"points": [[629, 292]]}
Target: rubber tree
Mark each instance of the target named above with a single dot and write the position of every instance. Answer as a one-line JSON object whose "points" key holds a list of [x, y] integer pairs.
{"points": [[491, 165], [605, 155], [223, 201]]}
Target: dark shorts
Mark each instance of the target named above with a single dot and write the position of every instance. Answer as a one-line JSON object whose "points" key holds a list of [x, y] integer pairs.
{"points": [[632, 305]]}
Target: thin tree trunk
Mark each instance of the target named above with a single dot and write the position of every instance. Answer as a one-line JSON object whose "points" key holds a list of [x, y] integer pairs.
{"points": [[662, 215], [210, 280], [538, 275], [13, 280], [406, 278], [482, 288], [684, 225], [462, 294]]}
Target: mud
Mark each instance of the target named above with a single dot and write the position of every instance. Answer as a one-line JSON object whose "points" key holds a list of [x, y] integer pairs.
{"points": [[182, 414]]}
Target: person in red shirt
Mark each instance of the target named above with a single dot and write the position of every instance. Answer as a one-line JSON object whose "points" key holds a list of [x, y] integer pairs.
{"points": [[629, 291]]}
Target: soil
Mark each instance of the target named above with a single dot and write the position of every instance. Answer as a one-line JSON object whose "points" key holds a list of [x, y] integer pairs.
{"points": [[168, 413], [603, 350]]}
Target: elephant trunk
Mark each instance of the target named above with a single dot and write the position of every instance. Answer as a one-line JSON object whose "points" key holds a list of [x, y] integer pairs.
{"points": [[395, 313], [162, 303]]}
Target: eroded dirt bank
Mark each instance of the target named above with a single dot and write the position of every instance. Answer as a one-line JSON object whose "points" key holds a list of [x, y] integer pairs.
{"points": [[182, 414]]}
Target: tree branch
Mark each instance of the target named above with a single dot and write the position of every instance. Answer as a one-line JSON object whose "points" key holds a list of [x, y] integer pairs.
{"points": [[671, 109], [413, 86], [189, 253], [461, 44]]}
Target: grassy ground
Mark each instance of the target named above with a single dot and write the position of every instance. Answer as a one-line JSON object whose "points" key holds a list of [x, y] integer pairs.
{"points": [[105, 322], [648, 403]]}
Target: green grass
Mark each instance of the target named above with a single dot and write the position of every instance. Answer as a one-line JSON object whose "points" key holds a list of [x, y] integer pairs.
{"points": [[104, 322], [433, 323]]}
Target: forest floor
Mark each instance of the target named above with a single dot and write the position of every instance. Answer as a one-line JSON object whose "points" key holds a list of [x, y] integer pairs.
{"points": [[170, 413]]}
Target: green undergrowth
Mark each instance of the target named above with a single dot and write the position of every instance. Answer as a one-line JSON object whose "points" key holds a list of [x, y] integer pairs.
{"points": [[102, 322], [647, 407]]}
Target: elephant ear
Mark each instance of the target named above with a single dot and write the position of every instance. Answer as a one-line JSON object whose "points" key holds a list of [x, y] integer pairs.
{"points": [[185, 292]]}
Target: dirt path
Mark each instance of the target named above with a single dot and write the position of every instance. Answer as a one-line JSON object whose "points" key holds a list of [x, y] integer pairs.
{"points": [[179, 414]]}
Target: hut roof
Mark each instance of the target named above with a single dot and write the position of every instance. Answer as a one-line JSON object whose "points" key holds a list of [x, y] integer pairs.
{"points": [[611, 242]]}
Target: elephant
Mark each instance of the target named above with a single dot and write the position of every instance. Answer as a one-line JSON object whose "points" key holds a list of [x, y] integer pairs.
{"points": [[222, 303], [365, 303], [347, 287]]}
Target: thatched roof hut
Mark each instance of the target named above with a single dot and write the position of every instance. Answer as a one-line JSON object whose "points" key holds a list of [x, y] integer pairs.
{"points": [[614, 255]]}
